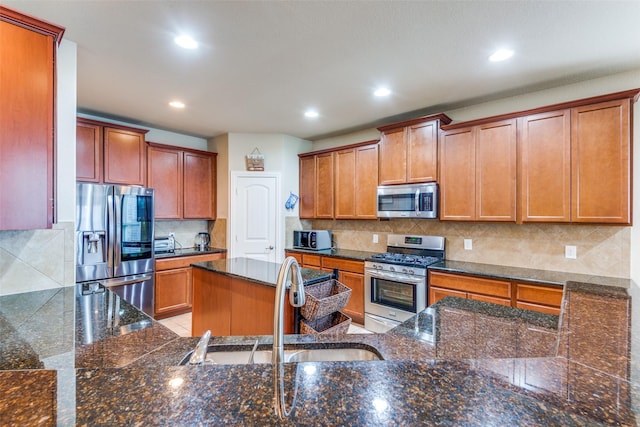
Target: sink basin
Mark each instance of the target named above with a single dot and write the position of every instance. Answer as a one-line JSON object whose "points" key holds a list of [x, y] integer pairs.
{"points": [[218, 355]]}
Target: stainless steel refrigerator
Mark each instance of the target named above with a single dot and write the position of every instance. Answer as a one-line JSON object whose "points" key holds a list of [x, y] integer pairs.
{"points": [[114, 240]]}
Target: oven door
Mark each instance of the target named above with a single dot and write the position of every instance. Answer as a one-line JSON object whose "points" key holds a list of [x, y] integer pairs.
{"points": [[394, 296]]}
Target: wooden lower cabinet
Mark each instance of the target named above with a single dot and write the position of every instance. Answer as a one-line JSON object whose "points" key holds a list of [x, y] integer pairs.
{"points": [[469, 287], [230, 306], [173, 292], [173, 284], [350, 274], [530, 296]]}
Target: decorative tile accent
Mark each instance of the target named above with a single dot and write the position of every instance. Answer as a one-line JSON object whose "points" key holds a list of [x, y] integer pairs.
{"points": [[37, 259]]}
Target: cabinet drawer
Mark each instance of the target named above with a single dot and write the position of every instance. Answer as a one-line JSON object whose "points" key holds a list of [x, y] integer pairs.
{"points": [[343, 264], [537, 307], [477, 285], [310, 260], [539, 294], [296, 255], [185, 261], [492, 300]]}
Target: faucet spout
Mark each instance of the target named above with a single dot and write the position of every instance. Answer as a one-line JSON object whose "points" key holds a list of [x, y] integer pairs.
{"points": [[296, 298], [290, 267]]}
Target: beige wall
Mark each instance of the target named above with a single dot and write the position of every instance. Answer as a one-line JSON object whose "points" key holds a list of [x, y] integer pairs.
{"points": [[602, 250]]}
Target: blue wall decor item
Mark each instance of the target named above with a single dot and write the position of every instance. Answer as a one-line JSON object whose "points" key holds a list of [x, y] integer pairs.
{"points": [[291, 201]]}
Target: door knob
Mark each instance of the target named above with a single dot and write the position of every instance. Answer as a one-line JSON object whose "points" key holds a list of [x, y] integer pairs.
{"points": [[270, 248]]}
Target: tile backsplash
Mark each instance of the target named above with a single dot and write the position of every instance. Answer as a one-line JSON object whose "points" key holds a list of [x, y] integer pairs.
{"points": [[37, 259], [601, 250]]}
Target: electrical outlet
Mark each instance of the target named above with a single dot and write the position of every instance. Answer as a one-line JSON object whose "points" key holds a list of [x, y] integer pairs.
{"points": [[375, 238], [468, 244], [570, 252]]}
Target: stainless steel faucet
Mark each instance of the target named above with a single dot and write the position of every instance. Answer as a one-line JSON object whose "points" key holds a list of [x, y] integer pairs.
{"points": [[296, 298], [199, 355]]}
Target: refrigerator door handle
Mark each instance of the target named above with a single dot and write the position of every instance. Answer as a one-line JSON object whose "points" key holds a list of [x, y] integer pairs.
{"points": [[128, 280]]}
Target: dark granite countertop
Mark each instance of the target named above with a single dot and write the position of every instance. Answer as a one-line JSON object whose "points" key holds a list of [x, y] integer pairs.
{"points": [[338, 253], [93, 360], [557, 278], [258, 271], [188, 252]]}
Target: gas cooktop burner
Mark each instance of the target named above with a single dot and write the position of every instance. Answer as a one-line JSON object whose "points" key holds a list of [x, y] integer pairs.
{"points": [[405, 259]]}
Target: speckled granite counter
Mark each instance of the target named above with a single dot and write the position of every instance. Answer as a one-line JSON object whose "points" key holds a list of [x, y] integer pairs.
{"points": [[257, 271], [488, 366], [188, 252], [338, 253], [526, 274]]}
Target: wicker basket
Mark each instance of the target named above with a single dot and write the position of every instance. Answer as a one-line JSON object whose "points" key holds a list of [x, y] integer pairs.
{"points": [[335, 323], [324, 298]]}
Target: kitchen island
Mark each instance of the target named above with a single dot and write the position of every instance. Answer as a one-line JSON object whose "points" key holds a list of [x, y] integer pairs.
{"points": [[70, 359], [236, 296]]}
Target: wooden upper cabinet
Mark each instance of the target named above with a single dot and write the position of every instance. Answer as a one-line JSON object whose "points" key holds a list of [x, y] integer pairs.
{"points": [[124, 156], [165, 175], [27, 111], [601, 162], [324, 185], [184, 182], [307, 205], [345, 179], [356, 182], [109, 153], [496, 171], [422, 152], [199, 185], [457, 175], [545, 167], [366, 182], [393, 157], [478, 173], [409, 151], [88, 152]]}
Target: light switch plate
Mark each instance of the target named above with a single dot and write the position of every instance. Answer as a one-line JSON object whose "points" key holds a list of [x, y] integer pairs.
{"points": [[375, 238], [468, 244], [570, 252]]}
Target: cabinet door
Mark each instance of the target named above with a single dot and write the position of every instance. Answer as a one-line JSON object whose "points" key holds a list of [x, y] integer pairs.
{"points": [[496, 171], [173, 292], [307, 187], [366, 182], [164, 174], [355, 305], [199, 186], [422, 152], [26, 127], [393, 158], [436, 294], [88, 152], [492, 300], [324, 186], [545, 165], [601, 163], [346, 189], [457, 175], [124, 157]]}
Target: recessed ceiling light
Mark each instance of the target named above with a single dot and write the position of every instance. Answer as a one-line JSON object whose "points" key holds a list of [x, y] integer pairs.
{"points": [[501, 55], [383, 91], [311, 114], [177, 104], [186, 42]]}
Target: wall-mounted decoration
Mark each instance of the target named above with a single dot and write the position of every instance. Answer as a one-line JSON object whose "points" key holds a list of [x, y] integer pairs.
{"points": [[255, 160]]}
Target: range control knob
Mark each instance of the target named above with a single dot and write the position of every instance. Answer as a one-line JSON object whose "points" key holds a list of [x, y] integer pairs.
{"points": [[410, 271], [392, 269]]}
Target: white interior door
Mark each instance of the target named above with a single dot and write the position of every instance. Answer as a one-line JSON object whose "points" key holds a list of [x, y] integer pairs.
{"points": [[254, 215]]}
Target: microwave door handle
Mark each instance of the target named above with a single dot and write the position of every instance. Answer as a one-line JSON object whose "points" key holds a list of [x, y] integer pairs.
{"points": [[418, 201]]}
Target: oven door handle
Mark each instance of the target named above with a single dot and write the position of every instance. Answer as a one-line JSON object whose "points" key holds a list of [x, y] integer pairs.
{"points": [[390, 276]]}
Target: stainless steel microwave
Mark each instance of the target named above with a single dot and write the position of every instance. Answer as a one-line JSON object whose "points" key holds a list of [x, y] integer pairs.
{"points": [[408, 201]]}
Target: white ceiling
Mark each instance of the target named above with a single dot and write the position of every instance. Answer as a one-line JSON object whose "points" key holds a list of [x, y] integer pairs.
{"points": [[261, 64]]}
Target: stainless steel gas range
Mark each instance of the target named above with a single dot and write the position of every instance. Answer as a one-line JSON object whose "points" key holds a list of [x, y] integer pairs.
{"points": [[396, 281]]}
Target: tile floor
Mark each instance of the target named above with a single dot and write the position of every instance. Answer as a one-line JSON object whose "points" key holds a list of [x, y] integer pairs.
{"points": [[181, 325]]}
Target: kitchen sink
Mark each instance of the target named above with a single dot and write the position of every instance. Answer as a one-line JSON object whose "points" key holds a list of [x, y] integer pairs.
{"points": [[219, 355]]}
